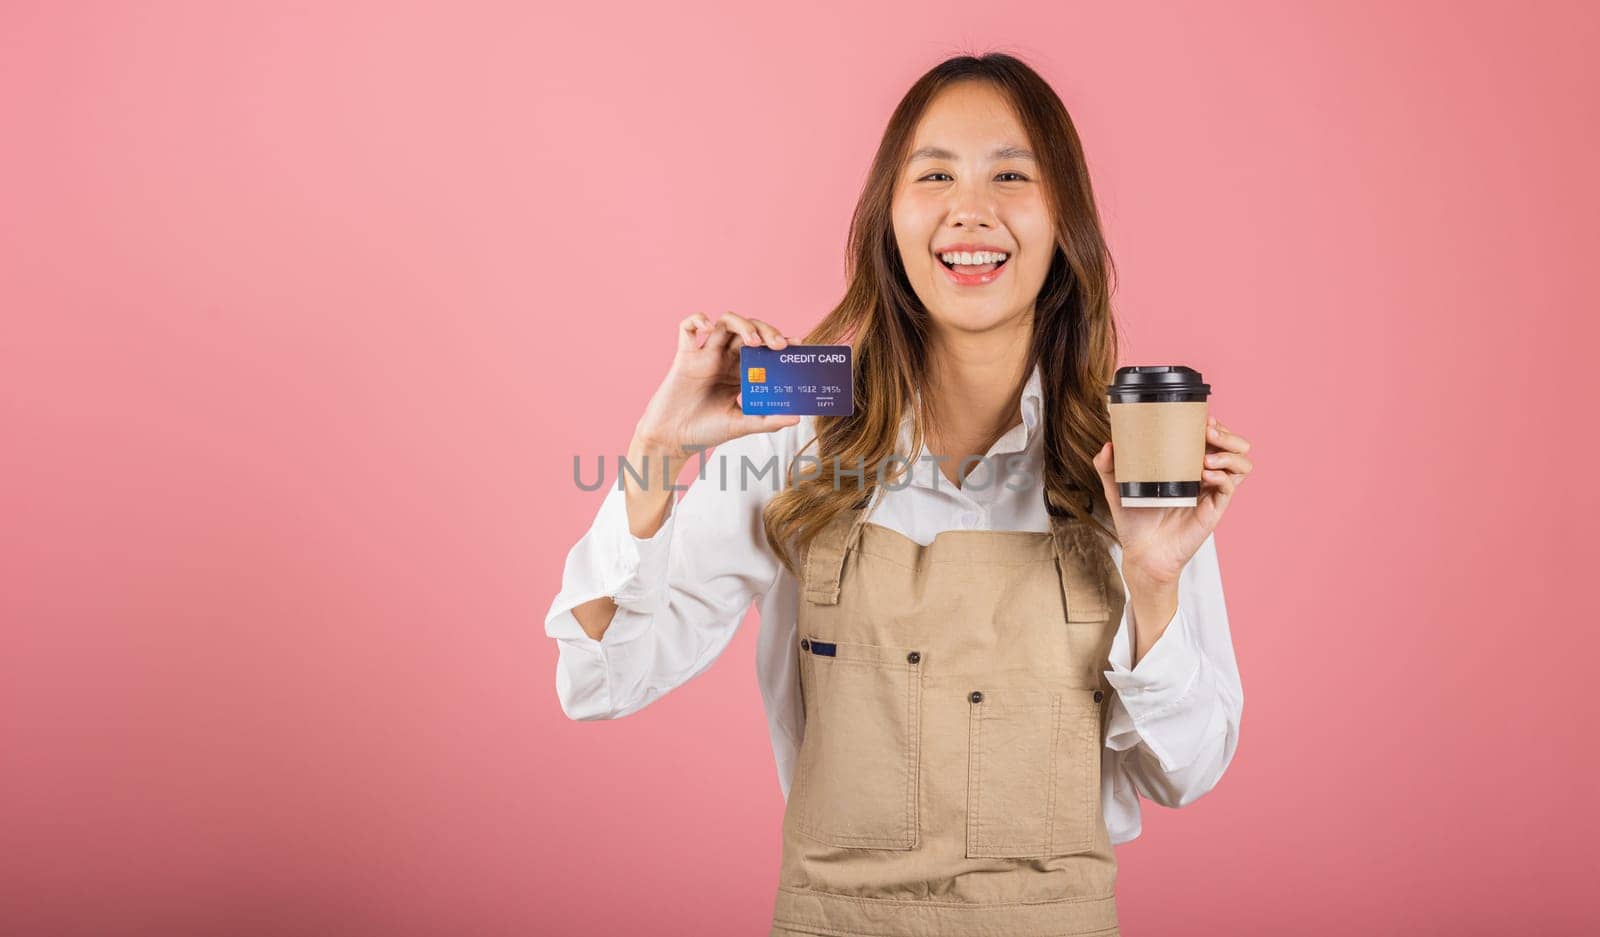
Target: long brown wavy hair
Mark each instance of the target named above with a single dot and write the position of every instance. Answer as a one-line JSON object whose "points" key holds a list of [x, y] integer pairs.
{"points": [[1074, 336]]}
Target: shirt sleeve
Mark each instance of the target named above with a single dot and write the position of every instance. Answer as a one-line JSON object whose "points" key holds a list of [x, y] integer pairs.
{"points": [[680, 593], [1175, 717]]}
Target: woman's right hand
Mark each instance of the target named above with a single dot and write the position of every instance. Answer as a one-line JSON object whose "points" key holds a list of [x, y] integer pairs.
{"points": [[697, 406]]}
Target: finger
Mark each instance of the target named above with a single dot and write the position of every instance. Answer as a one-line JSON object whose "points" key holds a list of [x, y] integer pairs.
{"points": [[722, 333], [769, 333], [1237, 443], [1105, 464], [1218, 435], [743, 327], [690, 329], [744, 424], [1229, 461], [1211, 506], [1224, 482]]}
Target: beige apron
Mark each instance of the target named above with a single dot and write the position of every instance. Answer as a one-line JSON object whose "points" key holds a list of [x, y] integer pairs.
{"points": [[948, 782]]}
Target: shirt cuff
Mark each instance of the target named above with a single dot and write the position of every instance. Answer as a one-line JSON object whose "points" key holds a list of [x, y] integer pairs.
{"points": [[1161, 702], [610, 561], [638, 576]]}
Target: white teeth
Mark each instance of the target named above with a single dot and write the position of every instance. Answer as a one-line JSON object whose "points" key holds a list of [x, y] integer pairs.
{"points": [[965, 258]]}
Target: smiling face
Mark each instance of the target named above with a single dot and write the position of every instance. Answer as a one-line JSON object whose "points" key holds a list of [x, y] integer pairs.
{"points": [[970, 183]]}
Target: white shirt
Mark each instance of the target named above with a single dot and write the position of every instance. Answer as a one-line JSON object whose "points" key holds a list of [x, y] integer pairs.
{"points": [[680, 594]]}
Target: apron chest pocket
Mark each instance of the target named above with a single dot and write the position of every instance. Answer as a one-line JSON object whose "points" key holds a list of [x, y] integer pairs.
{"points": [[859, 758], [1033, 772]]}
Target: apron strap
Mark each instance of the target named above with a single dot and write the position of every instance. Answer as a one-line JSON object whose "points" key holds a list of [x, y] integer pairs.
{"points": [[1083, 559], [825, 556]]}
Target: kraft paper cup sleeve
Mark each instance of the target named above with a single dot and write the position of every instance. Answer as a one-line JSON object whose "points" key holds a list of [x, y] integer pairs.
{"points": [[1158, 442]]}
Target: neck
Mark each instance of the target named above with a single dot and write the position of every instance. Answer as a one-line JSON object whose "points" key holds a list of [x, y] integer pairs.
{"points": [[975, 384]]}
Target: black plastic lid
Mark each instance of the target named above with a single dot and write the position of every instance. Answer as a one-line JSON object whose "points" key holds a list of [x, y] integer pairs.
{"points": [[1145, 381]]}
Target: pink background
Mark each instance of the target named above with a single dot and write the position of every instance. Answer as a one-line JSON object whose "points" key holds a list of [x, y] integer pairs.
{"points": [[307, 310]]}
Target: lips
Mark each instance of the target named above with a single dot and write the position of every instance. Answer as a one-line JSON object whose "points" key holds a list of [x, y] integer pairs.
{"points": [[974, 274]]}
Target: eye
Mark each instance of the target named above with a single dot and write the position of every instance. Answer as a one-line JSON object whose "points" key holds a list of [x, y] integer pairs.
{"points": [[1019, 176]]}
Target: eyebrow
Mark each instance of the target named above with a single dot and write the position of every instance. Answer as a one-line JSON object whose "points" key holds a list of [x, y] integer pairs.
{"points": [[1004, 152]]}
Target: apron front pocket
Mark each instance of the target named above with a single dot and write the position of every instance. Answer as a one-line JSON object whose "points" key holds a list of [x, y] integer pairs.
{"points": [[860, 755], [1033, 772]]}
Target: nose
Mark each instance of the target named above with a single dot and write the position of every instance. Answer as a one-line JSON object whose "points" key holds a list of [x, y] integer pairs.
{"points": [[970, 206]]}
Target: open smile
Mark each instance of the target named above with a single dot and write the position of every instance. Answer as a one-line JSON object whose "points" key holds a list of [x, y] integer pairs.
{"points": [[974, 274]]}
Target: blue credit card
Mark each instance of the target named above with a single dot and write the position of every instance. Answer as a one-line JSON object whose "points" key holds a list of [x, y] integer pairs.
{"points": [[798, 380]]}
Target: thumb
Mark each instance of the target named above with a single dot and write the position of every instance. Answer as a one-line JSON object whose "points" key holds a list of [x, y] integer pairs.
{"points": [[1105, 464], [743, 424]]}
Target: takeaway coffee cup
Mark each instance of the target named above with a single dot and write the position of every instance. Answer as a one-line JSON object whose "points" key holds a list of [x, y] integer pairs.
{"points": [[1158, 434]]}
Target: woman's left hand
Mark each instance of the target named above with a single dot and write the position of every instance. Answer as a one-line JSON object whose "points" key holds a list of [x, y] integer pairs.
{"points": [[1158, 542]]}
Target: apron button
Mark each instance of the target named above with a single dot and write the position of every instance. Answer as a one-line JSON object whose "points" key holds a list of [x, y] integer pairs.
{"points": [[1098, 696], [976, 697], [805, 645], [913, 657]]}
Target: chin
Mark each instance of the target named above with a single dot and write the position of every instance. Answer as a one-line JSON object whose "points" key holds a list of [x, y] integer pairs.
{"points": [[976, 320]]}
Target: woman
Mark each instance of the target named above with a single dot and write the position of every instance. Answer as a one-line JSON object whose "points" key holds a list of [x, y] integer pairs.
{"points": [[967, 692]]}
